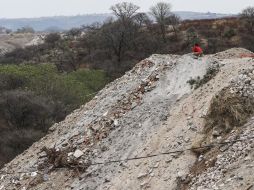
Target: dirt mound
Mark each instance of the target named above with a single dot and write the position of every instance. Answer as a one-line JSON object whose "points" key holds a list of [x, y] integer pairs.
{"points": [[232, 53], [137, 133]]}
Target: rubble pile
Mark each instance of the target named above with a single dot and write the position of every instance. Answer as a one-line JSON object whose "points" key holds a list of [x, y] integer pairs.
{"points": [[238, 156], [244, 84], [116, 140]]}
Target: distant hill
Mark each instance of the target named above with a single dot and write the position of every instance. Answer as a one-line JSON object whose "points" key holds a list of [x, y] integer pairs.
{"points": [[60, 23], [57, 23], [188, 15]]}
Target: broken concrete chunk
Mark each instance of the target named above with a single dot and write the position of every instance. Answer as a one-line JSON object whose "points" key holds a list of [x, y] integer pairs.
{"points": [[116, 123], [78, 153], [33, 174], [70, 154]]}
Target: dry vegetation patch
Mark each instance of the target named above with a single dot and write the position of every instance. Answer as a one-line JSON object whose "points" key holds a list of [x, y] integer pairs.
{"points": [[229, 110], [211, 72]]}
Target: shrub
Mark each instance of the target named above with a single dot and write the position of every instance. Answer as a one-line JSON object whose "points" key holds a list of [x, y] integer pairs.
{"points": [[33, 97], [196, 83], [229, 33], [44, 80], [229, 110], [22, 109], [52, 38], [9, 82]]}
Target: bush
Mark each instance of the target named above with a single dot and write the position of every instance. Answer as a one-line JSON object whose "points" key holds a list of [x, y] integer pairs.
{"points": [[15, 142], [22, 109], [228, 110], [229, 33], [196, 83], [9, 82], [52, 38], [44, 80], [33, 97], [26, 29]]}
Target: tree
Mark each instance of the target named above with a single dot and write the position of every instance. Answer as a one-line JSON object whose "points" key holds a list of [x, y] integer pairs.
{"points": [[248, 15], [23, 109], [192, 36], [74, 32], [120, 34], [67, 59], [213, 45], [114, 38], [52, 38], [26, 29], [124, 11], [142, 19], [174, 21], [161, 11]]}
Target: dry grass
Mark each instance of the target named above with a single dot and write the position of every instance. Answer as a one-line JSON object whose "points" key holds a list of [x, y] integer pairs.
{"points": [[228, 110], [59, 159]]}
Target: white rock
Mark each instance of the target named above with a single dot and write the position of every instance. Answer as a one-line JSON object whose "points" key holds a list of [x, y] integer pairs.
{"points": [[141, 175], [78, 153], [145, 183], [105, 114], [70, 154], [2, 177], [33, 174], [156, 165], [116, 123]]}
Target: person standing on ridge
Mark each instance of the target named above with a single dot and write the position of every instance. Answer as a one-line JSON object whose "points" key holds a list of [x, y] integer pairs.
{"points": [[197, 50]]}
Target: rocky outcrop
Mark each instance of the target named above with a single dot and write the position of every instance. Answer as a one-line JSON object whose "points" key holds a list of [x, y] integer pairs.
{"points": [[138, 133], [9, 42]]}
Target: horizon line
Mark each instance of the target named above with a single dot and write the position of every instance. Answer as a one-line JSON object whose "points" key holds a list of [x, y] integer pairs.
{"points": [[87, 14]]}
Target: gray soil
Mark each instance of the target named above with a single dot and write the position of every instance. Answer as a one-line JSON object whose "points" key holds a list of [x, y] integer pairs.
{"points": [[150, 110]]}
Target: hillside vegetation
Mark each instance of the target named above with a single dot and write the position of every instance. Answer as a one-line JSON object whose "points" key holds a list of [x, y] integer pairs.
{"points": [[116, 45], [34, 97]]}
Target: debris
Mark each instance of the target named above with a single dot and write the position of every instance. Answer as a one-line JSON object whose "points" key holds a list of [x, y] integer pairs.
{"points": [[116, 123], [78, 153], [33, 174], [141, 115], [142, 175]]}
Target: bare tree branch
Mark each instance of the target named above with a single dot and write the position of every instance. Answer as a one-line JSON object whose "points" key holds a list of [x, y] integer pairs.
{"points": [[248, 15], [124, 10], [161, 11]]}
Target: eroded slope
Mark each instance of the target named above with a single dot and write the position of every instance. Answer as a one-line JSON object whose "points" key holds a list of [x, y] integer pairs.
{"points": [[150, 110]]}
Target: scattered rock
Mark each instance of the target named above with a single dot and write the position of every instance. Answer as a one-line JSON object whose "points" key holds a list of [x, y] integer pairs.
{"points": [[33, 174], [78, 153], [142, 175]]}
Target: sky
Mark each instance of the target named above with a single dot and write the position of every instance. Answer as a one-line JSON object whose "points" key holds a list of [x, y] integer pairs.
{"points": [[39, 8]]}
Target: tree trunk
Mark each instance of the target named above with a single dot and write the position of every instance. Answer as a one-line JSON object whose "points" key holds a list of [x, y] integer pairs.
{"points": [[163, 32]]}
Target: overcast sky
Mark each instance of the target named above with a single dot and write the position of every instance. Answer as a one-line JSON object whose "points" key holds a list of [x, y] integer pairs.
{"points": [[38, 8]]}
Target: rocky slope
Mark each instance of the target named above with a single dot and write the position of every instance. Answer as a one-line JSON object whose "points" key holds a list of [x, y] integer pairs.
{"points": [[9, 42], [142, 130]]}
